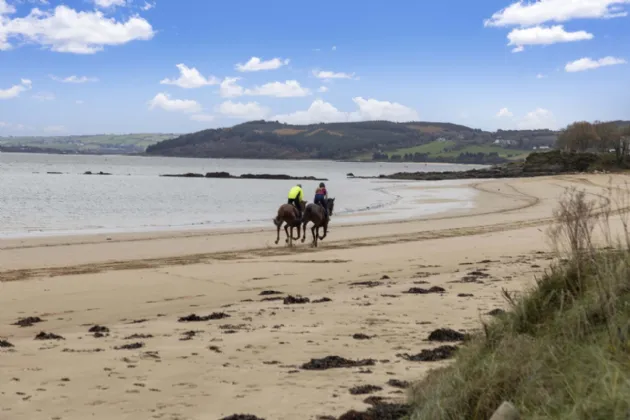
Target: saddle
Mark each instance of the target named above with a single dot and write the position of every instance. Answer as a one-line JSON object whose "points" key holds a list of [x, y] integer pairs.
{"points": [[320, 204], [297, 213]]}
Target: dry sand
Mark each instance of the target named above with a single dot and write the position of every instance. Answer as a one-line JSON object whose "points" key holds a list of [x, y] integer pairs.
{"points": [[139, 285]]}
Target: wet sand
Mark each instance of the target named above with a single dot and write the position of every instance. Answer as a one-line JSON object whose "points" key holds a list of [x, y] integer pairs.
{"points": [[119, 341]]}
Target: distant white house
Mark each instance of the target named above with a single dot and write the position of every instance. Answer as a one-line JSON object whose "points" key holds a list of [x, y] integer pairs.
{"points": [[441, 140], [541, 148], [504, 142]]}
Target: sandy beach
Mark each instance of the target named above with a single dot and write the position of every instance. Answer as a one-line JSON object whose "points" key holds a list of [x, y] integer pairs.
{"points": [[249, 356]]}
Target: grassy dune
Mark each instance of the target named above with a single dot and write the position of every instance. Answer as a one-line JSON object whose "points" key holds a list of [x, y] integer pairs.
{"points": [[562, 351]]}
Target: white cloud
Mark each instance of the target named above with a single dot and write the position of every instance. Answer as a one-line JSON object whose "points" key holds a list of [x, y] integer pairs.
{"points": [[109, 3], [190, 78], [5, 8], [526, 14], [230, 89], [15, 90], [79, 102], [540, 35], [249, 110], [69, 31], [368, 110], [334, 48], [148, 6], [537, 119], [323, 89], [288, 89], [202, 117], [74, 79], [44, 96], [55, 128], [14, 127], [163, 101], [256, 64], [319, 111], [540, 76], [372, 109], [324, 74], [504, 112], [518, 49], [585, 63]]}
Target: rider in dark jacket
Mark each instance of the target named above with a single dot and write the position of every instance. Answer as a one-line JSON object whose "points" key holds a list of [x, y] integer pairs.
{"points": [[321, 197]]}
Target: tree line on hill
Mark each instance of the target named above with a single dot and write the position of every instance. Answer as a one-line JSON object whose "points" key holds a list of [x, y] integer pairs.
{"points": [[583, 136], [479, 158]]}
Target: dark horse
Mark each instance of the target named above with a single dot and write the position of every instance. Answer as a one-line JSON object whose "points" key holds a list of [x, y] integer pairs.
{"points": [[288, 215], [315, 213]]}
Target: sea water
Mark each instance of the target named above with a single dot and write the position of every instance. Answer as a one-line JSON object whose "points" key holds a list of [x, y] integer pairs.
{"points": [[49, 194]]}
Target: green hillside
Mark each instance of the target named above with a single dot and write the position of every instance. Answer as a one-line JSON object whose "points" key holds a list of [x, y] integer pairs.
{"points": [[370, 140], [451, 149], [99, 143]]}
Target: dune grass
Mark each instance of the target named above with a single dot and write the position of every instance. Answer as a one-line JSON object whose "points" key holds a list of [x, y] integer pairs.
{"points": [[562, 350]]}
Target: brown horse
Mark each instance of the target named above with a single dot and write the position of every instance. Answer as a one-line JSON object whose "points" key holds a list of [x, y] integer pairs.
{"points": [[315, 213], [288, 215]]}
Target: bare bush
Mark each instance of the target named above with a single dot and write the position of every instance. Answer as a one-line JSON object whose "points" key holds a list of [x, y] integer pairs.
{"points": [[575, 218]]}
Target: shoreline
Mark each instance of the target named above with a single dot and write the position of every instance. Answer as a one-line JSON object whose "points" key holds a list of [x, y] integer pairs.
{"points": [[348, 218], [57, 250], [144, 155]]}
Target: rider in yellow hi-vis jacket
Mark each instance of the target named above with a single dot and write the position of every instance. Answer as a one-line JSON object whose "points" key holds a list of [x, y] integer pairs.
{"points": [[296, 196]]}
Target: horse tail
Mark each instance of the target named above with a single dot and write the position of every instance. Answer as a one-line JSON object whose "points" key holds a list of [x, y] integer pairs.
{"points": [[278, 219]]}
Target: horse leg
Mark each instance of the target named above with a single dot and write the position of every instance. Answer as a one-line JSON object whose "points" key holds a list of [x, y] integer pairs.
{"points": [[314, 241], [325, 231], [286, 230], [304, 231], [278, 236], [298, 230]]}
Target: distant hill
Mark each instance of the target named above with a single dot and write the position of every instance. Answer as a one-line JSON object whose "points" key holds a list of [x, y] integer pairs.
{"points": [[369, 140], [87, 144], [621, 123]]}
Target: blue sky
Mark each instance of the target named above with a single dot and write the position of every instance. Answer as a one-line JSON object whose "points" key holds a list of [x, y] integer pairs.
{"points": [[121, 66]]}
